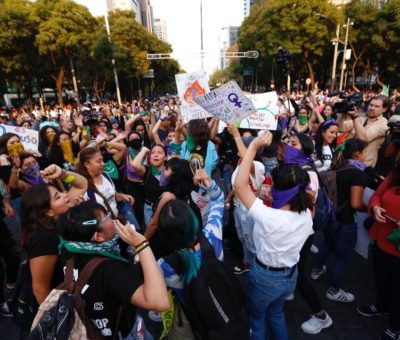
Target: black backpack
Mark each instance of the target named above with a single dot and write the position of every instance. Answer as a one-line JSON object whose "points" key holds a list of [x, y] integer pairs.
{"points": [[23, 303], [215, 304]]}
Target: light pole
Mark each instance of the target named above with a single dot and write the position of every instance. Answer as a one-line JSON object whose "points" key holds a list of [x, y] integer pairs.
{"points": [[201, 34], [112, 60], [335, 55], [344, 53], [71, 64]]}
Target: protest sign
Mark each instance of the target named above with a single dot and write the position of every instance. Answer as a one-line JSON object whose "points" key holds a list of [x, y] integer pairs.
{"points": [[227, 102], [190, 86], [266, 114], [29, 138]]}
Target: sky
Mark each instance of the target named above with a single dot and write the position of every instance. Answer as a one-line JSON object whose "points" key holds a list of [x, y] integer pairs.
{"points": [[183, 27]]}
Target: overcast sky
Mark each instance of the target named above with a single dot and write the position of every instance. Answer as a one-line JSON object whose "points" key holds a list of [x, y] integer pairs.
{"points": [[183, 26]]}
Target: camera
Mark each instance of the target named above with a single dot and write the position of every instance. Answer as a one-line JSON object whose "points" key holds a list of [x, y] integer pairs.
{"points": [[394, 124], [348, 101]]}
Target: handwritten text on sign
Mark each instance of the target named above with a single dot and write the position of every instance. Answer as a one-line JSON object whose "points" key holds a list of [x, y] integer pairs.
{"points": [[29, 138], [227, 102], [190, 86]]}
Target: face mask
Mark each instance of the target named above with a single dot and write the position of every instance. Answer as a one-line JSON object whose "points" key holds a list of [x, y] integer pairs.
{"points": [[66, 148], [50, 138], [135, 144], [32, 174], [328, 117], [303, 120], [142, 136], [15, 149]]}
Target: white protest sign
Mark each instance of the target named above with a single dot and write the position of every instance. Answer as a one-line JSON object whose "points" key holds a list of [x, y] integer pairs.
{"points": [[266, 114], [29, 138], [191, 85], [227, 102]]}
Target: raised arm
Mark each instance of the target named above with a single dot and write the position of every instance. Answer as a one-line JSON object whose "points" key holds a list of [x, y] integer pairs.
{"points": [[232, 129], [137, 162]]}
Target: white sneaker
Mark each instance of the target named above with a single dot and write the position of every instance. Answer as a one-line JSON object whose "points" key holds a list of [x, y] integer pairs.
{"points": [[340, 296], [314, 249], [314, 325], [316, 273], [290, 297]]}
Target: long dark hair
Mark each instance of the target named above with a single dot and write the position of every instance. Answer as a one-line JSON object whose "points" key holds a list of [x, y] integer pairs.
{"points": [[180, 182], [85, 156], [319, 139], [346, 151], [288, 176], [56, 153], [306, 142], [43, 134], [4, 140], [35, 204]]}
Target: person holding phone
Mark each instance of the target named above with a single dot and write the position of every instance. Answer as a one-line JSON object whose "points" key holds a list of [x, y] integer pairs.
{"points": [[384, 206]]}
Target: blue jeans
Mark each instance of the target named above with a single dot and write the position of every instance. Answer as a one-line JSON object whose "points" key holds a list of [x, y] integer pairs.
{"points": [[126, 210], [269, 164], [148, 214], [244, 226], [339, 238], [266, 292]]}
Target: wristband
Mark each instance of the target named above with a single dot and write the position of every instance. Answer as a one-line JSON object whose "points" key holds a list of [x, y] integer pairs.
{"points": [[140, 244], [142, 248], [68, 179]]}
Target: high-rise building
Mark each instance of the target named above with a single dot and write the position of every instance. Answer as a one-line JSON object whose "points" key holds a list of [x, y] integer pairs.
{"points": [[125, 5], [227, 37], [247, 7], [160, 29], [146, 13]]}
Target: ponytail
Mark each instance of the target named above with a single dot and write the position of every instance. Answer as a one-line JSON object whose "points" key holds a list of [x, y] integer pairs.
{"points": [[346, 151], [191, 265]]}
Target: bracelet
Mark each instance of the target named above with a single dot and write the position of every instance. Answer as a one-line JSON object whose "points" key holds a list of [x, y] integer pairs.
{"points": [[140, 244], [142, 248]]}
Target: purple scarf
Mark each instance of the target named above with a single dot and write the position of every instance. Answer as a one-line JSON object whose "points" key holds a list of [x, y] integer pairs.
{"points": [[295, 156], [360, 165], [280, 198], [32, 175]]}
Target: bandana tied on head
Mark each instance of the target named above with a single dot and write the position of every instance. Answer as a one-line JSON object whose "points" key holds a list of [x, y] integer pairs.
{"points": [[360, 165], [15, 149], [329, 122], [66, 147], [282, 197], [295, 156]]}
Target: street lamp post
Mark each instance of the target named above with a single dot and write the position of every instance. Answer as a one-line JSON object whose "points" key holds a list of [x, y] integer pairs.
{"points": [[344, 54], [71, 64], [335, 55], [201, 34], [113, 60]]}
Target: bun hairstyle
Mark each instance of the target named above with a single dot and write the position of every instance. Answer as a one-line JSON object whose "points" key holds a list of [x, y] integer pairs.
{"points": [[346, 151], [288, 176]]}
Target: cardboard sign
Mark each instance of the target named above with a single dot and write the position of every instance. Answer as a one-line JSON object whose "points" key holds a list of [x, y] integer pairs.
{"points": [[190, 86], [266, 114], [29, 138], [227, 102]]}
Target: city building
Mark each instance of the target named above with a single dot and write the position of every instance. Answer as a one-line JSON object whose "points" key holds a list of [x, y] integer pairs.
{"points": [[227, 37], [146, 14], [160, 29], [125, 5], [247, 7]]}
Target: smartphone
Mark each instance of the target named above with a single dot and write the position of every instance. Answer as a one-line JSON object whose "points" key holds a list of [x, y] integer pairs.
{"points": [[391, 219]]}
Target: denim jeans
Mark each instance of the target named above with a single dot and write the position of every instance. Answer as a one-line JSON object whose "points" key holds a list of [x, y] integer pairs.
{"points": [[126, 210], [244, 226], [148, 214], [228, 171], [266, 291], [269, 164], [340, 239]]}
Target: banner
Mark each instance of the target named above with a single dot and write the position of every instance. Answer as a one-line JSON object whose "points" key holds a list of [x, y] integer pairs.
{"points": [[190, 86], [29, 138], [266, 113], [227, 102]]}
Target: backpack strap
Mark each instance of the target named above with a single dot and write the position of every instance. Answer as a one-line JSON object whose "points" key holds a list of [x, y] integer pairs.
{"points": [[207, 250]]}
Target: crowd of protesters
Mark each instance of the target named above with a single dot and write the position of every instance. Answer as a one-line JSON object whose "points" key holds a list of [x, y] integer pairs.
{"points": [[134, 183]]}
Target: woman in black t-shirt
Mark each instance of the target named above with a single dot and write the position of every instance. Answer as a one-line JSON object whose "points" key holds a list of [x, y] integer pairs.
{"points": [[341, 236], [41, 205], [88, 231]]}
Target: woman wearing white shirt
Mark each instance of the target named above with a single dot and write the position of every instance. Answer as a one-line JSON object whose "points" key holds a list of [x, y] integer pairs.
{"points": [[325, 139], [279, 234]]}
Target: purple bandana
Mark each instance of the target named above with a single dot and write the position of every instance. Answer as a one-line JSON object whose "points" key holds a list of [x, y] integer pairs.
{"points": [[295, 156], [329, 122], [360, 165], [280, 198]]}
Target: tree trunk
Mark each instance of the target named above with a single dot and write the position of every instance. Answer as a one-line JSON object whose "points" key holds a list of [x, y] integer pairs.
{"points": [[310, 69], [59, 80], [96, 88]]}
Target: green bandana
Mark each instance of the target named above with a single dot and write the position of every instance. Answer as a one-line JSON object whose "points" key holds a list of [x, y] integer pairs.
{"points": [[108, 249], [155, 172], [303, 120], [190, 143], [111, 169], [133, 153]]}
